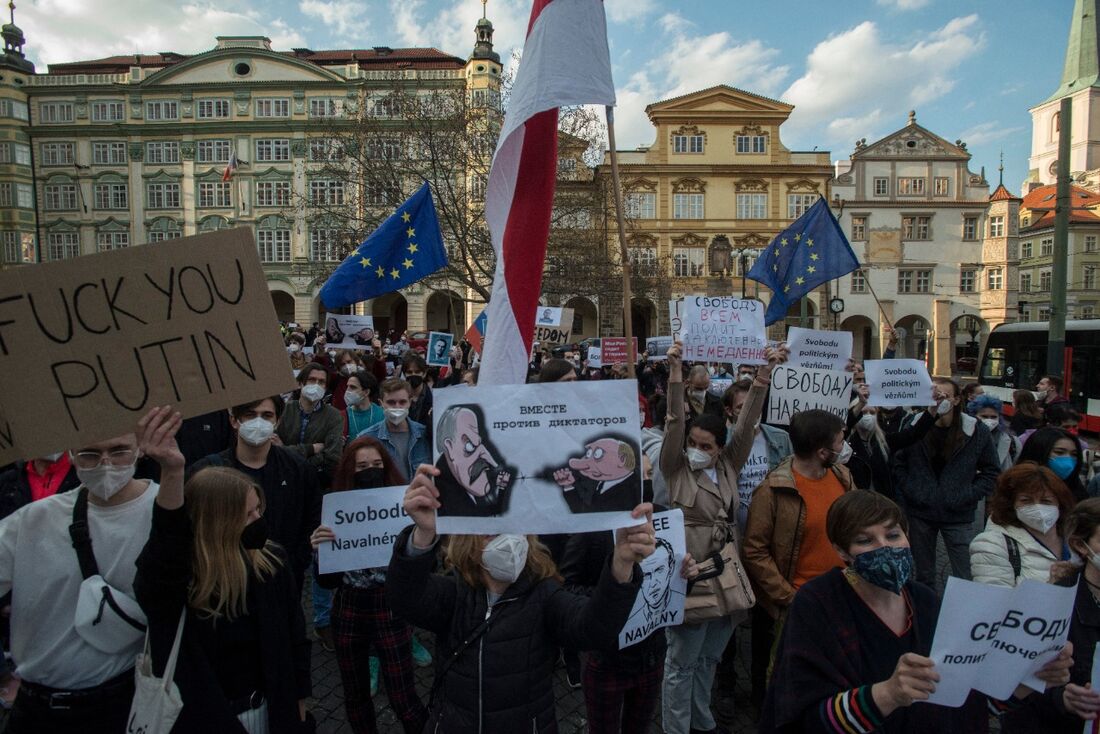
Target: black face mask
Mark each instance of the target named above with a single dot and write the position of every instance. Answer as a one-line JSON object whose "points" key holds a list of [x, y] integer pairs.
{"points": [[415, 381], [370, 478], [254, 536]]}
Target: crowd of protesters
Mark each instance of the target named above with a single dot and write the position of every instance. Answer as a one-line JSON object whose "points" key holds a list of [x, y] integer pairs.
{"points": [[835, 521]]}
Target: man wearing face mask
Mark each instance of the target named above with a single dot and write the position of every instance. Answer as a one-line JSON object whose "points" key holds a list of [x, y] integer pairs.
{"points": [[698, 395], [310, 428], [415, 371], [405, 439], [77, 667], [292, 495]]}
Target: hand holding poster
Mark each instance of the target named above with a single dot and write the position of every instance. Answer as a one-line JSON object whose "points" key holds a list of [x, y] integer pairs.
{"points": [[819, 350], [795, 389], [439, 349], [993, 638], [723, 329], [541, 458], [366, 523], [676, 317], [346, 331], [660, 601], [187, 323], [893, 382]]}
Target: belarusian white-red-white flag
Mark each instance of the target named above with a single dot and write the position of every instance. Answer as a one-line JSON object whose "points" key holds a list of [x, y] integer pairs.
{"points": [[565, 62]]}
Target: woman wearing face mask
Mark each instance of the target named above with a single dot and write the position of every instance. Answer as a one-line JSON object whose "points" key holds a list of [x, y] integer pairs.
{"points": [[503, 614], [361, 412], [244, 661], [702, 481], [1060, 451], [874, 607], [1024, 536], [988, 410], [364, 629], [344, 364], [872, 447]]}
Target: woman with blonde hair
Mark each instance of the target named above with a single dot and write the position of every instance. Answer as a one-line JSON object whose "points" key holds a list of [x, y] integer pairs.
{"points": [[503, 614], [244, 661]]}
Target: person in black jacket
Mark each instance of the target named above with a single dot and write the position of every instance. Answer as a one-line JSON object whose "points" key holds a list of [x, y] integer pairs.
{"points": [[244, 663], [51, 475], [503, 614], [872, 446]]}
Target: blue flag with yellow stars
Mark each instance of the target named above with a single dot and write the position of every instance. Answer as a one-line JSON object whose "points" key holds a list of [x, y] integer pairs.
{"points": [[407, 247], [802, 257]]}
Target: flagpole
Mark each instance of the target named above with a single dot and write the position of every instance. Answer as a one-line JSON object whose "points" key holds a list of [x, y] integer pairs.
{"points": [[874, 295], [628, 326]]}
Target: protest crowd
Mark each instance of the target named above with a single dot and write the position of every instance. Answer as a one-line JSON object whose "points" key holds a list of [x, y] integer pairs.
{"points": [[196, 540]]}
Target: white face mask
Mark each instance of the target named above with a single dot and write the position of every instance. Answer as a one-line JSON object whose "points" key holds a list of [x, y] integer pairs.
{"points": [[293, 347], [944, 407], [256, 432], [1094, 559], [697, 458], [1038, 517], [991, 423], [313, 393], [348, 369], [105, 481], [866, 423], [505, 557], [352, 398], [396, 415], [844, 455]]}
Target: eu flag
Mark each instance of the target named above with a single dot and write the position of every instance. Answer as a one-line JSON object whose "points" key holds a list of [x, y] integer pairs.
{"points": [[802, 257], [406, 248]]}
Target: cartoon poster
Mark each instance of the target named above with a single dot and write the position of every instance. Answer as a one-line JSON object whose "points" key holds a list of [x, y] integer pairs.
{"points": [[439, 349], [660, 601], [348, 331], [561, 457]]}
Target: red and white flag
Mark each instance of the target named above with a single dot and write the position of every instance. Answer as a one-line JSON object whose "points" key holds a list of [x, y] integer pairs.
{"points": [[565, 62], [231, 167]]}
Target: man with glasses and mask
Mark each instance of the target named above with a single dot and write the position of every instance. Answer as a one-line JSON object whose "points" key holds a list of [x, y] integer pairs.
{"points": [[415, 371], [65, 556]]}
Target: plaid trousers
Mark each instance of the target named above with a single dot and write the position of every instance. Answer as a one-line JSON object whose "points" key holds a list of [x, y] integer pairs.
{"points": [[362, 624], [620, 702]]}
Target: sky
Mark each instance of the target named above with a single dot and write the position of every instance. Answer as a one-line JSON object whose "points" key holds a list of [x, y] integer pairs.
{"points": [[853, 68]]}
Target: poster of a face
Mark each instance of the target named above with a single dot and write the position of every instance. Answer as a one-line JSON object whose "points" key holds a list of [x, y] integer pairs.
{"points": [[348, 330], [660, 601], [439, 349], [548, 316], [540, 458]]}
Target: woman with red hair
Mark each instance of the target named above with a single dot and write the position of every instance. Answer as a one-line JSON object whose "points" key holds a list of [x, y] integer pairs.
{"points": [[363, 625]]}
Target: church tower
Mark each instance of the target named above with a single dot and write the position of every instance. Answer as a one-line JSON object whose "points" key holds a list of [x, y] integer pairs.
{"points": [[483, 67], [1081, 83], [17, 209]]}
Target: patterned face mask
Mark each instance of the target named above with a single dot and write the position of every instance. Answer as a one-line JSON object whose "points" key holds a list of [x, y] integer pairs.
{"points": [[886, 567]]}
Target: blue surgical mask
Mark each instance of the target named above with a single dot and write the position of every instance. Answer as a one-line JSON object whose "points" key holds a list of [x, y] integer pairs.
{"points": [[887, 567], [1063, 466]]}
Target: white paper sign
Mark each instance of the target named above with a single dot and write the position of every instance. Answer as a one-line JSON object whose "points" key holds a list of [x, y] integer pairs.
{"points": [[819, 350], [1093, 726], [366, 523], [595, 357], [660, 601], [993, 638], [545, 316], [560, 457], [348, 330], [675, 316], [797, 389], [719, 385], [657, 348], [439, 349], [723, 329], [893, 382]]}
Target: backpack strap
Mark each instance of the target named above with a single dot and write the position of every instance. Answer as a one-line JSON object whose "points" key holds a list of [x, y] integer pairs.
{"points": [[82, 539], [1013, 555]]}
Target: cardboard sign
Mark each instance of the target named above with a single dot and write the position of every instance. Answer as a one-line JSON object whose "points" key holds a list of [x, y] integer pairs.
{"points": [[542, 458], [439, 349], [796, 389], [613, 349], [723, 329], [993, 638], [660, 601], [893, 382], [819, 350], [89, 345], [346, 331], [366, 523], [657, 348], [675, 316]]}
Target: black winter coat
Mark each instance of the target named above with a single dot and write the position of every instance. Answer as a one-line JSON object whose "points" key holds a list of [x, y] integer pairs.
{"points": [[869, 465], [161, 584], [15, 490], [503, 683]]}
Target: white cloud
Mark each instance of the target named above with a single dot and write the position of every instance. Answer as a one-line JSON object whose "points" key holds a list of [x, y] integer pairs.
{"points": [[449, 24], [905, 4], [856, 81], [345, 18], [987, 132], [73, 30], [629, 11]]}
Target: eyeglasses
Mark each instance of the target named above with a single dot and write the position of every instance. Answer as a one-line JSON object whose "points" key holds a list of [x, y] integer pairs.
{"points": [[92, 459]]}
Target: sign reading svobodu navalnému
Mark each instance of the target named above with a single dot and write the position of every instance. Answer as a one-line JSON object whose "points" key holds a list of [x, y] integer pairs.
{"points": [[366, 523]]}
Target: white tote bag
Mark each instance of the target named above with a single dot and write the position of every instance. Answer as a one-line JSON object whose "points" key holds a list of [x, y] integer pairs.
{"points": [[157, 701]]}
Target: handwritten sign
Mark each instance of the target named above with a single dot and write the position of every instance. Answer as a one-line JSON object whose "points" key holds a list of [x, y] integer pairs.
{"points": [[657, 348], [820, 350], [366, 523], [723, 329], [348, 330], [595, 357], [994, 638], [893, 382], [797, 389], [613, 349], [660, 601], [88, 345], [676, 316]]}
